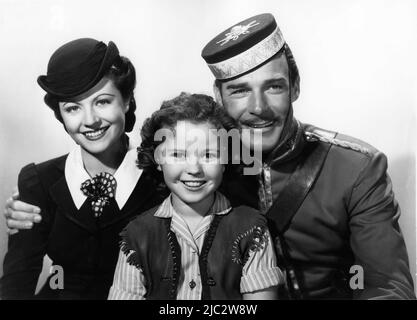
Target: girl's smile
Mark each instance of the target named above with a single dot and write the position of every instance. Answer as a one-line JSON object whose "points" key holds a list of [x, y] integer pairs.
{"points": [[194, 185], [189, 160]]}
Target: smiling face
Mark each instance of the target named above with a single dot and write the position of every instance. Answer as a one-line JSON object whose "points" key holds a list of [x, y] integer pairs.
{"points": [[189, 160], [260, 100], [96, 119]]}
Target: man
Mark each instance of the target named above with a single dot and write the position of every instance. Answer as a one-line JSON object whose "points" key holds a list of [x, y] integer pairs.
{"points": [[327, 196]]}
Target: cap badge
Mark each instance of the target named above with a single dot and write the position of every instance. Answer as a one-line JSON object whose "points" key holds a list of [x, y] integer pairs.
{"points": [[236, 31]]}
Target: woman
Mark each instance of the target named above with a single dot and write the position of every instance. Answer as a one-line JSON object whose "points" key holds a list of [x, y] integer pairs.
{"points": [[89, 195]]}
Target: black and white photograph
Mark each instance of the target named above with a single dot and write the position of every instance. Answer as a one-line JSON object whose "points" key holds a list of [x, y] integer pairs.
{"points": [[208, 150]]}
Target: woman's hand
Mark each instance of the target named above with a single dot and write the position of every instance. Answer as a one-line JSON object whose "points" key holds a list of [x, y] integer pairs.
{"points": [[20, 215]]}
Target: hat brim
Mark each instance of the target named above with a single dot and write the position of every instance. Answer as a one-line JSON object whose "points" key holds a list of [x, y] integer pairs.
{"points": [[109, 58]]}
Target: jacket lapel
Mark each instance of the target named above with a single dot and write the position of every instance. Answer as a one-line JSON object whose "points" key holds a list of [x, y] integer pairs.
{"points": [[144, 196], [61, 195]]}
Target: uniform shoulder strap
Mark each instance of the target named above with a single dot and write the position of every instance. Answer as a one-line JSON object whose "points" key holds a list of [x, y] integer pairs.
{"points": [[316, 134], [286, 205], [298, 185]]}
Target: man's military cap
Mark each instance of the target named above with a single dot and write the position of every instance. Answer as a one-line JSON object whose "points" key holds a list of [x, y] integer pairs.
{"points": [[243, 47]]}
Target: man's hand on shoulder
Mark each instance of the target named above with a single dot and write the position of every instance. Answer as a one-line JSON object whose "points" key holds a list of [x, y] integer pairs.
{"points": [[20, 215]]}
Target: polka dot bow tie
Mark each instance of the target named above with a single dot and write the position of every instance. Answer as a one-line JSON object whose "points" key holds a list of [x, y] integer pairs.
{"points": [[99, 190]]}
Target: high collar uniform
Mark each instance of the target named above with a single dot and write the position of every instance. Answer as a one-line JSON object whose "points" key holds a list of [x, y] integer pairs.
{"points": [[347, 223]]}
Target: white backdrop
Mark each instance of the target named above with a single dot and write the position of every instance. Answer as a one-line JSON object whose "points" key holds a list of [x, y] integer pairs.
{"points": [[357, 60]]}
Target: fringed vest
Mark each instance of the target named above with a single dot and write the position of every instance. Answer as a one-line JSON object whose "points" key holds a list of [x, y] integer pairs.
{"points": [[154, 248]]}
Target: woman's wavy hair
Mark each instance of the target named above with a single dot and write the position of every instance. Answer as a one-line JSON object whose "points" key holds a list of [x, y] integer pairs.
{"points": [[123, 75], [197, 108]]}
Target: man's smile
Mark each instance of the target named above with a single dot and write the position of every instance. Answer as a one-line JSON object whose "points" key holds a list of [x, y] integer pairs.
{"points": [[259, 124]]}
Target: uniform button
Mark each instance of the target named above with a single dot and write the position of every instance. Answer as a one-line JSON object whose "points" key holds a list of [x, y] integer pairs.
{"points": [[211, 282], [192, 284]]}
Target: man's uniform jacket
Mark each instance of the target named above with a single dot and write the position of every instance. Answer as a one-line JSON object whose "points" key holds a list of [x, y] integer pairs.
{"points": [[345, 223]]}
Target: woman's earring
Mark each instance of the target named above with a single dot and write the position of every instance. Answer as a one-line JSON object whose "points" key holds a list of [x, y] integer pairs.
{"points": [[159, 167]]}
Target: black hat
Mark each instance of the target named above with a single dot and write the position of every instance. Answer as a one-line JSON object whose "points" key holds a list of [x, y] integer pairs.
{"points": [[243, 47], [77, 66]]}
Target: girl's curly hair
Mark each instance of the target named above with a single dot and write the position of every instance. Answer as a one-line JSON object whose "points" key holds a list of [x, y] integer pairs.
{"points": [[198, 108]]}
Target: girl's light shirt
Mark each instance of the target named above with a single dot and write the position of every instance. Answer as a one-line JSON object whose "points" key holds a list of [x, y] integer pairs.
{"points": [[127, 176], [259, 272]]}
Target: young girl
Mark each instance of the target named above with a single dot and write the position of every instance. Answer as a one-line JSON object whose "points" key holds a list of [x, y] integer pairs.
{"points": [[194, 245], [89, 195]]}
